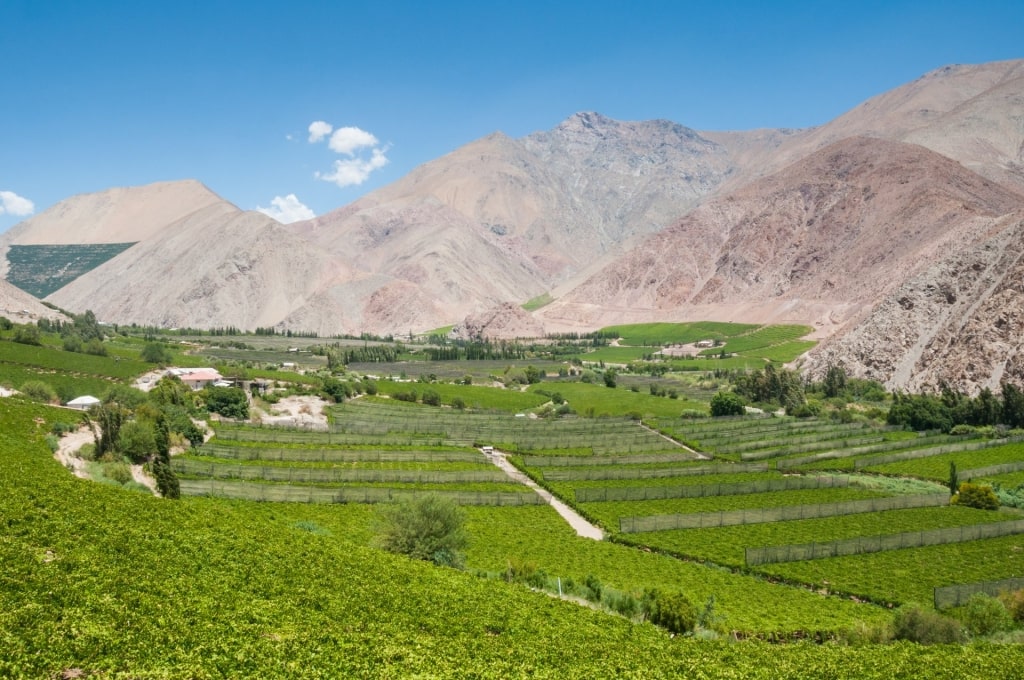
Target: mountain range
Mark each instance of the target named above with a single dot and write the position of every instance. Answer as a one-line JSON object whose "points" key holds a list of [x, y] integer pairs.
{"points": [[895, 230]]}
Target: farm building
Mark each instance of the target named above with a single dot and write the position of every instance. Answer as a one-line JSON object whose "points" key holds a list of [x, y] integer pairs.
{"points": [[198, 378], [83, 403]]}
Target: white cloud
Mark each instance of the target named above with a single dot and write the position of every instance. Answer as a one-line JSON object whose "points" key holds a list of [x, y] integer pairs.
{"points": [[348, 140], [287, 209], [354, 171], [365, 153], [14, 204], [318, 129]]}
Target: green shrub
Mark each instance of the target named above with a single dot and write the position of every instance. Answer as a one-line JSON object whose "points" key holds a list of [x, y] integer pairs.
{"points": [[230, 402], [916, 624], [118, 472], [427, 528], [861, 633], [978, 496], [136, 440], [672, 611], [27, 335], [431, 398], [37, 390], [727, 404], [53, 441], [594, 587], [1013, 601], [622, 603], [985, 615]]}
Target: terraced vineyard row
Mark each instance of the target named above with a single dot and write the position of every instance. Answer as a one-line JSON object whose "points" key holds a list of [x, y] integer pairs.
{"points": [[709, 522]]}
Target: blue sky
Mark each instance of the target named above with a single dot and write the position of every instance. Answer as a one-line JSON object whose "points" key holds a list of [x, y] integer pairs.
{"points": [[101, 94]]}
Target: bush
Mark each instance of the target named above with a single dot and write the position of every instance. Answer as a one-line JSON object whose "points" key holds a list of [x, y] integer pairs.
{"points": [[594, 587], [27, 335], [916, 624], [136, 441], [622, 603], [230, 402], [155, 353], [976, 496], [672, 611], [1014, 603], [427, 528], [37, 390], [431, 398], [985, 615], [727, 404], [459, 403], [118, 472]]}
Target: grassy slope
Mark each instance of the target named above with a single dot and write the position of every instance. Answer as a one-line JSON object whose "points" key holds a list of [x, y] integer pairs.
{"points": [[126, 585]]}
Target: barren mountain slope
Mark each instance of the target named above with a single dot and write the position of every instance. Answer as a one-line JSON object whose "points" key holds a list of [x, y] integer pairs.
{"points": [[836, 230], [20, 307], [959, 321], [218, 266], [120, 215], [552, 201], [972, 113]]}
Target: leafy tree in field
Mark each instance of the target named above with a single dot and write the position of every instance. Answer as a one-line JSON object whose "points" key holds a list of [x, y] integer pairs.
{"points": [[978, 496], [230, 402], [431, 398], [835, 381], [170, 390], [533, 375], [954, 478], [27, 335], [609, 378], [727, 404], [155, 353], [136, 440], [427, 528], [1013, 405], [110, 416], [126, 396], [72, 343], [771, 385]]}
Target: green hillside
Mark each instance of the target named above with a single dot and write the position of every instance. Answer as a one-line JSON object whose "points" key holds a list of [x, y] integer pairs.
{"points": [[102, 583], [43, 269]]}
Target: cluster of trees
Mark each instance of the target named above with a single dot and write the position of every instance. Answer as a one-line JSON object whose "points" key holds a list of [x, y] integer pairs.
{"points": [[772, 385], [951, 408], [141, 427], [338, 357]]}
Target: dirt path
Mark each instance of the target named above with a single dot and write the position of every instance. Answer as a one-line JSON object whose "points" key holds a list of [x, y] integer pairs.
{"points": [[69, 445], [684, 447], [140, 476], [581, 526]]}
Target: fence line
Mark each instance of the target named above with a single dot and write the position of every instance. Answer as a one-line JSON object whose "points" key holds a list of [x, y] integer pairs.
{"points": [[310, 494], [992, 470], [570, 461], [725, 518], [862, 450], [881, 543], [273, 473], [933, 451], [336, 455], [954, 596], [566, 475], [643, 493]]}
